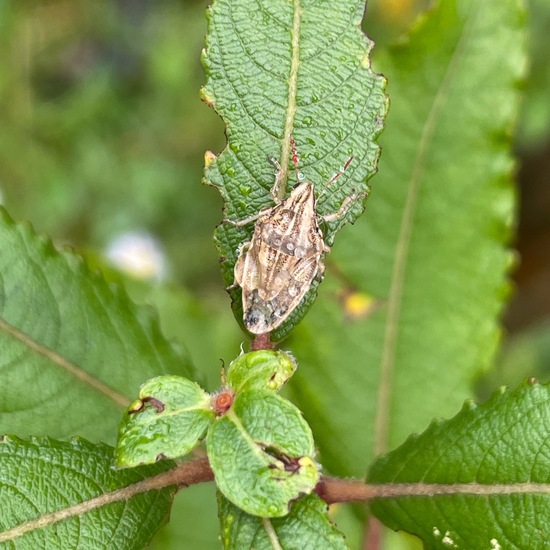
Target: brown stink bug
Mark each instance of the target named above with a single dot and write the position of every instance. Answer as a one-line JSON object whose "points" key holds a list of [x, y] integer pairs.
{"points": [[276, 267]]}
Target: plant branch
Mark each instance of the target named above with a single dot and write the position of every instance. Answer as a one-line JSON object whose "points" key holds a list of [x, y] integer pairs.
{"points": [[333, 490], [330, 489], [187, 473]]}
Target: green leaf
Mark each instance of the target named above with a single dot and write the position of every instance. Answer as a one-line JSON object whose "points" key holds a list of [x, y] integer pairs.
{"points": [[306, 526], [169, 419], [261, 453], [74, 349], [431, 252], [490, 461], [67, 495], [285, 68], [260, 370]]}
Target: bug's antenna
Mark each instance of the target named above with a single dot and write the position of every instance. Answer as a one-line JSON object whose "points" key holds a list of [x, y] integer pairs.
{"points": [[336, 176], [295, 159]]}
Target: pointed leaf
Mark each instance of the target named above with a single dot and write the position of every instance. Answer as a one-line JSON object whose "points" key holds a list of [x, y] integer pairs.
{"points": [[490, 461], [282, 68], [261, 453], [67, 495], [74, 349], [169, 419], [431, 252], [260, 370], [306, 526]]}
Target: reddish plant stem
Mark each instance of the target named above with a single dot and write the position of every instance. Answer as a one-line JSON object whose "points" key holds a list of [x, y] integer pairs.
{"points": [[330, 489], [333, 490], [373, 534], [261, 341], [190, 473]]}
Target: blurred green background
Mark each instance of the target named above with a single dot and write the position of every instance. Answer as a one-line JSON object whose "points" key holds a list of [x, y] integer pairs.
{"points": [[103, 134]]}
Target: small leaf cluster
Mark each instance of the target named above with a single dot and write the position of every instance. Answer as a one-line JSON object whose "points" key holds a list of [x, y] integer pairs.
{"points": [[259, 446]]}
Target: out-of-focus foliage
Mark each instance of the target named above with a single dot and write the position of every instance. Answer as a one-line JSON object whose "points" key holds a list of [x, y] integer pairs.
{"points": [[73, 349], [101, 124], [524, 355], [534, 122]]}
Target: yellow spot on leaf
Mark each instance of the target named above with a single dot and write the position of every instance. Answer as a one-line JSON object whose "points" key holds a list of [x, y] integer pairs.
{"points": [[358, 304]]}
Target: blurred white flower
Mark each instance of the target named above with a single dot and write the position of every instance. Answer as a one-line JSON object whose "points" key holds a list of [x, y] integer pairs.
{"points": [[138, 254]]}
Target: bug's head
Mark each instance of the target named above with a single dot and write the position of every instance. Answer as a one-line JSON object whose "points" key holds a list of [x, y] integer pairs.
{"points": [[262, 316], [256, 321]]}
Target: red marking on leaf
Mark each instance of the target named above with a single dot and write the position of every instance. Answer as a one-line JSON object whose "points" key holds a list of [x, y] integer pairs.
{"points": [[159, 405]]}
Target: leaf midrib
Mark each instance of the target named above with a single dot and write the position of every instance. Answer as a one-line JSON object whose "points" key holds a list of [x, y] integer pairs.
{"points": [[382, 420], [271, 534], [291, 106]]}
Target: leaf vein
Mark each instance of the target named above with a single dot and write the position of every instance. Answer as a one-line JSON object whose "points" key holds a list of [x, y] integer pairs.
{"points": [[403, 245], [277, 76], [65, 364]]}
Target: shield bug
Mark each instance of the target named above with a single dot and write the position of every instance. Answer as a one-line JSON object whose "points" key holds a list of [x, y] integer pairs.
{"points": [[276, 268]]}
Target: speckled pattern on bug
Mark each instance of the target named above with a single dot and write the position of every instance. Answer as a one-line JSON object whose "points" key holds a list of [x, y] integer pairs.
{"points": [[276, 267]]}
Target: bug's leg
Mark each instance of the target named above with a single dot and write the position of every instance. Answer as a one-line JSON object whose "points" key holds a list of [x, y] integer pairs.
{"points": [[344, 208], [233, 285], [321, 268], [296, 159], [276, 192], [335, 177], [278, 177], [275, 163], [242, 223]]}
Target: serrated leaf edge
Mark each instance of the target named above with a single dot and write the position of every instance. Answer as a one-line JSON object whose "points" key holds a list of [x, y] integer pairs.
{"points": [[159, 481], [146, 315]]}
